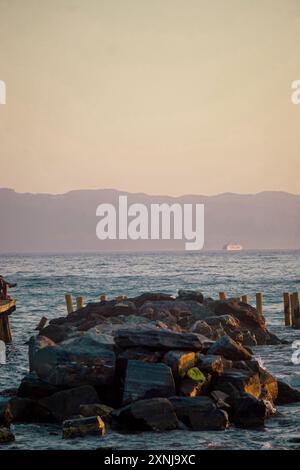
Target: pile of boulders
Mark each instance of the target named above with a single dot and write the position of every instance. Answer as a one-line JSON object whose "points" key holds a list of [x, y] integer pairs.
{"points": [[155, 362]]}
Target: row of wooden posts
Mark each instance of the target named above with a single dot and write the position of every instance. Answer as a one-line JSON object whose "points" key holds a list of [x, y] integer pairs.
{"points": [[290, 303]]}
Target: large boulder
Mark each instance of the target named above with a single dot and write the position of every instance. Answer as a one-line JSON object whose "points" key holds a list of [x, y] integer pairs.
{"points": [[203, 328], [245, 313], [233, 381], [211, 364], [141, 354], [65, 404], [248, 411], [156, 414], [229, 349], [200, 413], [180, 362], [144, 380], [25, 410], [286, 394], [96, 409], [33, 387], [87, 360], [36, 343], [160, 339]]}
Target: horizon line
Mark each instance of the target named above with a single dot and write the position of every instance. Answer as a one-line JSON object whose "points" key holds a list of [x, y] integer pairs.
{"points": [[146, 194]]}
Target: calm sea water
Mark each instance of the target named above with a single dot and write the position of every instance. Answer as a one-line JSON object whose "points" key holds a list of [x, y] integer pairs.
{"points": [[43, 281]]}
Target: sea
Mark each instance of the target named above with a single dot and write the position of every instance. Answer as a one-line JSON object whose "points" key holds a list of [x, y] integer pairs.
{"points": [[43, 280]]}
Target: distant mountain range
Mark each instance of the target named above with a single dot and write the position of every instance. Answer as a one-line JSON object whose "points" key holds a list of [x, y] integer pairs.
{"points": [[67, 222]]}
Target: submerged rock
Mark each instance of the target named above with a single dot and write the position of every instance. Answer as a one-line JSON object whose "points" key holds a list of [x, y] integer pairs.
{"points": [[156, 414], [83, 426], [6, 435]]}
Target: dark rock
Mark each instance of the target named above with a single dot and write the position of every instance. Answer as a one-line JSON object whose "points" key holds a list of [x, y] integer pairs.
{"points": [[56, 333], [83, 426], [159, 339], [5, 412], [141, 354], [25, 410], [269, 385], [62, 405], [201, 327], [34, 345], [6, 435], [156, 414], [211, 364], [145, 380], [245, 313], [96, 409], [189, 387], [152, 297], [286, 394], [179, 362], [227, 321], [248, 411], [229, 349], [32, 387], [190, 295], [233, 381], [200, 413], [87, 360]]}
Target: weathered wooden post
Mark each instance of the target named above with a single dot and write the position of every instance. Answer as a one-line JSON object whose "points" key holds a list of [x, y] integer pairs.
{"points": [[222, 295], [287, 309], [292, 309], [103, 298], [7, 338], [259, 302], [245, 299], [69, 303], [7, 306], [296, 310], [79, 302]]}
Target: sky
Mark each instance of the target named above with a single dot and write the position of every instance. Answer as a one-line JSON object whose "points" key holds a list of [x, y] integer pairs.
{"points": [[162, 96]]}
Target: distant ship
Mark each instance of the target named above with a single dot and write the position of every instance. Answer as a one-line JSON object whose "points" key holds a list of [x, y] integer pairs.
{"points": [[232, 247]]}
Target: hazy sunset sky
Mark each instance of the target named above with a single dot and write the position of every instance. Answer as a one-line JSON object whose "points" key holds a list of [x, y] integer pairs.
{"points": [[159, 96]]}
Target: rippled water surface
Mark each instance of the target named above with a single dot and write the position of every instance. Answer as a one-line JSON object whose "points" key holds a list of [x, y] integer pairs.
{"points": [[43, 281]]}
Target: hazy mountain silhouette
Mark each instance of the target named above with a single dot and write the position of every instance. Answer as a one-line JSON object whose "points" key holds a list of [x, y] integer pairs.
{"points": [[67, 222]]}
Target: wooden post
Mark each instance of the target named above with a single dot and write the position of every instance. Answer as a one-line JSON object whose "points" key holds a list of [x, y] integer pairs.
{"points": [[245, 299], [296, 310], [103, 298], [7, 338], [222, 295], [69, 303], [292, 309], [259, 302], [287, 309], [79, 302]]}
